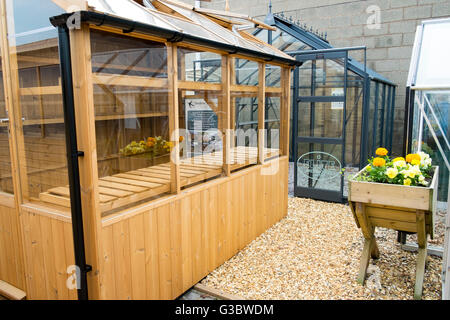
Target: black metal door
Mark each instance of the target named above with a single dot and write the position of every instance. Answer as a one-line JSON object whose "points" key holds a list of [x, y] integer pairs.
{"points": [[319, 150]]}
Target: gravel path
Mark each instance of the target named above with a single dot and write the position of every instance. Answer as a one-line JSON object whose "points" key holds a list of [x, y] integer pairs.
{"points": [[314, 254]]}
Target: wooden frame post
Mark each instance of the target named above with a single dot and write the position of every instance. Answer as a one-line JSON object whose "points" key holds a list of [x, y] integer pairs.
{"points": [[285, 110], [80, 46], [226, 114], [232, 103], [174, 128], [261, 112], [16, 141]]}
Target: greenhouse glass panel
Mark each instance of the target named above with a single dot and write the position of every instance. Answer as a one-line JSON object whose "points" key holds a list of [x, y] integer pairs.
{"points": [[246, 72], [226, 35], [324, 77], [304, 122], [131, 10], [434, 64], [199, 66], [115, 54], [187, 26], [372, 118], [34, 45], [273, 76], [319, 170], [246, 123], [285, 42], [380, 115], [262, 34], [305, 78], [131, 111], [439, 117], [353, 121], [201, 125], [328, 118], [272, 121], [6, 183]]}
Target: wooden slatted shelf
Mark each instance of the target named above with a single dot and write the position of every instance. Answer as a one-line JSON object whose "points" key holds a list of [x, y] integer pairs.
{"points": [[97, 118], [127, 188]]}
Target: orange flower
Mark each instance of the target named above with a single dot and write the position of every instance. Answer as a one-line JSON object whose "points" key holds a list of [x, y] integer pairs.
{"points": [[412, 156], [181, 138], [381, 152], [379, 162]]}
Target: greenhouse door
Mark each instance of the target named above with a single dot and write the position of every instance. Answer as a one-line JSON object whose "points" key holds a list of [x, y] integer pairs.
{"points": [[320, 89]]}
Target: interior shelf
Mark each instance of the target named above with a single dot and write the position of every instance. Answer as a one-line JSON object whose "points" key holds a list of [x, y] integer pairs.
{"points": [[97, 118]]}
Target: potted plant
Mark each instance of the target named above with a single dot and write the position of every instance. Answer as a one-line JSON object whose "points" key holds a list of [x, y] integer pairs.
{"points": [[396, 193]]}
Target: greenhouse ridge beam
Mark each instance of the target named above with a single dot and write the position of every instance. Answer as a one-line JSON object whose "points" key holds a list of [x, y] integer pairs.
{"points": [[101, 19]]}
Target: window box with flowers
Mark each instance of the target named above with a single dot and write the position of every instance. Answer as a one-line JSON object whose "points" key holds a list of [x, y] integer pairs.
{"points": [[399, 194]]}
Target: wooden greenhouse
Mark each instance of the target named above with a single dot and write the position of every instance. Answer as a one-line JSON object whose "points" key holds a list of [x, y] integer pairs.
{"points": [[121, 172]]}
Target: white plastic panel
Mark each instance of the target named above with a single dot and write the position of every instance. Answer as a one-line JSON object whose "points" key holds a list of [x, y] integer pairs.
{"points": [[433, 67]]}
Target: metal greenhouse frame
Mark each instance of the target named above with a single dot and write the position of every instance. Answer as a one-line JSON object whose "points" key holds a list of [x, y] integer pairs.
{"points": [[369, 117], [428, 112]]}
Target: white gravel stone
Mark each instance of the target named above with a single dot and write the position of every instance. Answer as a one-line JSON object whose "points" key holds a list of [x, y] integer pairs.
{"points": [[314, 253]]}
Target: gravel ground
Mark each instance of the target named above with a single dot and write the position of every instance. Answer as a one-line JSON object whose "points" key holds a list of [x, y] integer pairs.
{"points": [[314, 254]]}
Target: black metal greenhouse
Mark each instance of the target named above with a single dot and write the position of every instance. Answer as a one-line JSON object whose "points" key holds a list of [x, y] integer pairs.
{"points": [[341, 110]]}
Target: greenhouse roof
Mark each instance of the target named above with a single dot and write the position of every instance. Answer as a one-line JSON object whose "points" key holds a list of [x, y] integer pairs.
{"points": [[315, 41], [176, 21]]}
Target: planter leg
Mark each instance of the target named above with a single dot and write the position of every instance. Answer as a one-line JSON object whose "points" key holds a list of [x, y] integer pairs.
{"points": [[374, 252], [370, 245], [422, 255], [365, 258], [420, 271]]}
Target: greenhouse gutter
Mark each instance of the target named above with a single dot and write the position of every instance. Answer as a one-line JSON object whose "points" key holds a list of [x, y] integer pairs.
{"points": [[102, 19]]}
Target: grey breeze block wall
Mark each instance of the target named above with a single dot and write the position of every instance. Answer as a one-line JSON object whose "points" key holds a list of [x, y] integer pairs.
{"points": [[346, 22]]}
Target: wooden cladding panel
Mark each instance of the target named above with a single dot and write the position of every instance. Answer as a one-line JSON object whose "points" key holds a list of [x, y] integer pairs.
{"points": [[162, 252], [48, 250], [11, 265]]}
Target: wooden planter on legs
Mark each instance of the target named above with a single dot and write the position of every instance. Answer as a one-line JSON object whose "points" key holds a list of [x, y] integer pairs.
{"points": [[402, 208]]}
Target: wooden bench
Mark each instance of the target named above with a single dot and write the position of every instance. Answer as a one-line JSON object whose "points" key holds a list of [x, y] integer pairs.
{"points": [[130, 187]]}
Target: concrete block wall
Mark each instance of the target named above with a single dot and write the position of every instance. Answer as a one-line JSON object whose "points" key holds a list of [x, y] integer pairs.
{"points": [[346, 22]]}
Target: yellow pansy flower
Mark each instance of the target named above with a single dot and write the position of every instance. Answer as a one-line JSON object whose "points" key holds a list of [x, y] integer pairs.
{"points": [[399, 163], [392, 173], [407, 182]]}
